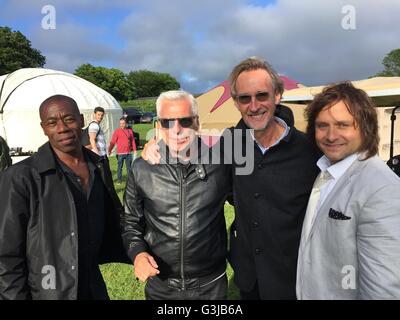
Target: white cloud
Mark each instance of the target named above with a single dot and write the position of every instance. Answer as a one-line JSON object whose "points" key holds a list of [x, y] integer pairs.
{"points": [[199, 41], [302, 39], [69, 46]]}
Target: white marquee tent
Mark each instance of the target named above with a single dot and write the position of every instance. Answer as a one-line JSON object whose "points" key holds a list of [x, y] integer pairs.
{"points": [[22, 92]]}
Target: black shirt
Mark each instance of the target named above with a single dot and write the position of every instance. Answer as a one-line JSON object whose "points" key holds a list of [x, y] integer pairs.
{"points": [[90, 217], [270, 204]]}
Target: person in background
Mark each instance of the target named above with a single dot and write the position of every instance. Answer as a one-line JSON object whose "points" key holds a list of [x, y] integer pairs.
{"points": [[350, 242], [96, 134], [98, 142], [125, 141]]}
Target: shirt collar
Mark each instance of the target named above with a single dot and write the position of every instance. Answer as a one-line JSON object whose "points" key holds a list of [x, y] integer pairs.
{"points": [[339, 168], [284, 134]]}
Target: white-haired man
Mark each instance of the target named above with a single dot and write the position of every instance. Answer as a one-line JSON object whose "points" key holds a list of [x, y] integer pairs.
{"points": [[174, 227]]}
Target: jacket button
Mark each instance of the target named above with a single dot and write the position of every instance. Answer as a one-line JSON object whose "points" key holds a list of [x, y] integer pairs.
{"points": [[72, 234], [73, 267], [256, 195], [258, 251], [255, 224]]}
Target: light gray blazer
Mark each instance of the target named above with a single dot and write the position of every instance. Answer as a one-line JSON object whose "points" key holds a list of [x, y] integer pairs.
{"points": [[357, 257]]}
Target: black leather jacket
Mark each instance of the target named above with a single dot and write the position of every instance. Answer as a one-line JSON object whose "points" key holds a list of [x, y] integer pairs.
{"points": [[39, 229], [177, 215]]}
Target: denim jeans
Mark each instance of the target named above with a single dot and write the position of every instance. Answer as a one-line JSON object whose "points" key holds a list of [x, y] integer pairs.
{"points": [[128, 161]]}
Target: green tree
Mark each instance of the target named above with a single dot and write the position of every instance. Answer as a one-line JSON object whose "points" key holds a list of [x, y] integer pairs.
{"points": [[151, 84], [392, 64], [113, 81], [16, 52]]}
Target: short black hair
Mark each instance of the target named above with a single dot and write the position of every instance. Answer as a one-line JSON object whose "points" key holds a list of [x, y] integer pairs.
{"points": [[57, 97], [99, 109]]}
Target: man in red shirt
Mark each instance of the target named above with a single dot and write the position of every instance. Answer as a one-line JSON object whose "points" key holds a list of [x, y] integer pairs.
{"points": [[125, 141]]}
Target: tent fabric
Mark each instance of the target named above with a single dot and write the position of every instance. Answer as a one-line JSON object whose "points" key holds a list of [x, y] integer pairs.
{"points": [[384, 91], [22, 92]]}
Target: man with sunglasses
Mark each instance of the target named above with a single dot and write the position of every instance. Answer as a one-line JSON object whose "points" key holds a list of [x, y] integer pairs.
{"points": [[270, 203], [173, 227]]}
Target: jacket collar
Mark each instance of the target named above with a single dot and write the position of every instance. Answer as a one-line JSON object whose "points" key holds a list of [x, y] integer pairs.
{"points": [[44, 160], [243, 126]]}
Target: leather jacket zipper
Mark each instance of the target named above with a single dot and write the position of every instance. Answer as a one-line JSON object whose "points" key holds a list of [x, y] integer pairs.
{"points": [[182, 221]]}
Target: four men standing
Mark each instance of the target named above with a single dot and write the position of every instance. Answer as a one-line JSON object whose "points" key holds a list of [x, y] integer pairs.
{"points": [[173, 227]]}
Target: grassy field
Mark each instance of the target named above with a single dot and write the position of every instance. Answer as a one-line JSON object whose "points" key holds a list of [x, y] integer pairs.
{"points": [[120, 280]]}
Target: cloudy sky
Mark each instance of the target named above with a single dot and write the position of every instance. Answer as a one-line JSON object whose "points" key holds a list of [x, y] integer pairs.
{"points": [[199, 41]]}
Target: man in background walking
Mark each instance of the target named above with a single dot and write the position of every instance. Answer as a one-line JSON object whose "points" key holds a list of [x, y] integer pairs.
{"points": [[125, 141]]}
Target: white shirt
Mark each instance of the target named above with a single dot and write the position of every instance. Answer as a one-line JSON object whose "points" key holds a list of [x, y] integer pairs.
{"points": [[94, 127], [284, 134], [336, 171]]}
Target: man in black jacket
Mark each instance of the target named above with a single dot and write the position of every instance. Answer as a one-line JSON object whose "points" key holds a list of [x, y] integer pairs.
{"points": [[270, 203], [174, 227], [58, 217]]}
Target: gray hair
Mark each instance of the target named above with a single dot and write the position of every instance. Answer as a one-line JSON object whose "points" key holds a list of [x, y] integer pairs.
{"points": [[174, 95], [255, 63]]}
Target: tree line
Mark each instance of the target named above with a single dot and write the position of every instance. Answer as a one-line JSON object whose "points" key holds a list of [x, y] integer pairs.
{"points": [[16, 52]]}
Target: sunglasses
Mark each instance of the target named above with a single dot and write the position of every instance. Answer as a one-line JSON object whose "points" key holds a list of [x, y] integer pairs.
{"points": [[246, 98], [183, 122]]}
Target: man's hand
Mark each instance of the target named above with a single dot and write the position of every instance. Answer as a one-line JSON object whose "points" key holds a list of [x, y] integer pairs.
{"points": [[151, 152], [145, 266]]}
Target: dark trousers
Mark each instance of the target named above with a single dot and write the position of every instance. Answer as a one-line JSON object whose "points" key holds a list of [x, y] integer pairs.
{"points": [[197, 289], [254, 294], [106, 173], [128, 160]]}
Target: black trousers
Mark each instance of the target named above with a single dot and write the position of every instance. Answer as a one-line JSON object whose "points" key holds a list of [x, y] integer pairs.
{"points": [[213, 287], [107, 175], [254, 294]]}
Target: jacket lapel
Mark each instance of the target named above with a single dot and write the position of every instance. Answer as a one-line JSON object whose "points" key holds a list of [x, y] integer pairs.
{"points": [[336, 193]]}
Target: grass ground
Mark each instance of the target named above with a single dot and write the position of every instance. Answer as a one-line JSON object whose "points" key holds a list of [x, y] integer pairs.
{"points": [[120, 280]]}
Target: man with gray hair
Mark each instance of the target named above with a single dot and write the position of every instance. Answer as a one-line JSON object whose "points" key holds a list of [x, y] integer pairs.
{"points": [[173, 227], [270, 203]]}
